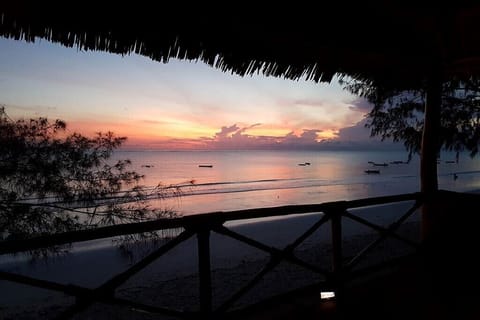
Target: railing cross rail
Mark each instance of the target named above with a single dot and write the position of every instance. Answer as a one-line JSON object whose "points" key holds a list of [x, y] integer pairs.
{"points": [[107, 288], [285, 253], [272, 263], [390, 231], [80, 292]]}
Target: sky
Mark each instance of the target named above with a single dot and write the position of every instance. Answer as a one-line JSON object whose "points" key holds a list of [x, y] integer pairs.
{"points": [[177, 105]]}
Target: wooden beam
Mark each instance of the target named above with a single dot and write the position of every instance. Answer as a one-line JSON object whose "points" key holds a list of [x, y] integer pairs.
{"points": [[429, 152]]}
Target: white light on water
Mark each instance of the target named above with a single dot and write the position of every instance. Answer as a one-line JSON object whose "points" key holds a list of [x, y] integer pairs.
{"points": [[327, 295]]}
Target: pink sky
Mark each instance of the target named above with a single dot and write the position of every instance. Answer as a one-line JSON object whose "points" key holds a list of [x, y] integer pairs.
{"points": [[178, 105]]}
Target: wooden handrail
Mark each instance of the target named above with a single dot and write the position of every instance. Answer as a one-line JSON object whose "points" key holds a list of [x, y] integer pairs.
{"points": [[215, 218]]}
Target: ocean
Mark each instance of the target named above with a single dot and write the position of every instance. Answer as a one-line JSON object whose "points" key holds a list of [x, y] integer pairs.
{"points": [[233, 180]]}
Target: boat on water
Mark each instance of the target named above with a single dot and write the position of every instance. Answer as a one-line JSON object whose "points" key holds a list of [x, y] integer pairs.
{"points": [[205, 166], [376, 164], [372, 171], [304, 164], [380, 164]]}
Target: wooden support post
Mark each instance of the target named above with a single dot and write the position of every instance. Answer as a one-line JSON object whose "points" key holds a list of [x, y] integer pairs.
{"points": [[428, 161], [336, 242], [430, 136], [337, 256], [204, 272]]}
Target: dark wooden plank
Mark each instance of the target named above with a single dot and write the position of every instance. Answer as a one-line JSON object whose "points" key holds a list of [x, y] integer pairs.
{"points": [[204, 272]]}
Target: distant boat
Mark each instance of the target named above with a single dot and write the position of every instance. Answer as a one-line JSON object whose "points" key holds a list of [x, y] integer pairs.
{"points": [[205, 166], [380, 164], [372, 171], [450, 161], [147, 165], [304, 164]]}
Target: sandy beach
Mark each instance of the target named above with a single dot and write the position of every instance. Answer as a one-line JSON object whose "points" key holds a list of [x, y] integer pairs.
{"points": [[172, 280]]}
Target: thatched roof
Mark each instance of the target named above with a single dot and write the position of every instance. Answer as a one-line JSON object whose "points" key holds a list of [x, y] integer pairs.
{"points": [[400, 42]]}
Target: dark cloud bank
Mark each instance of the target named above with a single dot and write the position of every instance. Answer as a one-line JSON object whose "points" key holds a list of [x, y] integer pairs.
{"points": [[354, 138]]}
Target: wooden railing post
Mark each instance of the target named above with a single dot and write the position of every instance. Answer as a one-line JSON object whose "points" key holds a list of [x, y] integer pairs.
{"points": [[336, 241], [204, 272], [337, 255]]}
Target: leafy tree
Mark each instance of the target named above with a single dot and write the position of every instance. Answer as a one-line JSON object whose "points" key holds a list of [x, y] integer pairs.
{"points": [[54, 181], [399, 114]]}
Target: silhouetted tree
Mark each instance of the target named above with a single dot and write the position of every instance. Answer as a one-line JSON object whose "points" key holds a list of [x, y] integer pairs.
{"points": [[52, 181], [399, 114]]}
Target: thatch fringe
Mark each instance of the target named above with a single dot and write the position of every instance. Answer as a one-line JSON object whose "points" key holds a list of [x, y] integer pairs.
{"points": [[369, 40]]}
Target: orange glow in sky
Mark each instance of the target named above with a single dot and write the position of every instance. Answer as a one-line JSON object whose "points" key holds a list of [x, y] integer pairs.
{"points": [[178, 105], [327, 134]]}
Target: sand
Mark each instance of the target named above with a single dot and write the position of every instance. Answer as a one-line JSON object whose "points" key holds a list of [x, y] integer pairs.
{"points": [[172, 280]]}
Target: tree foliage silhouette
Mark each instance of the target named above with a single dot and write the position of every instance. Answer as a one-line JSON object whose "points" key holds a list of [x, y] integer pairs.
{"points": [[399, 114], [52, 181]]}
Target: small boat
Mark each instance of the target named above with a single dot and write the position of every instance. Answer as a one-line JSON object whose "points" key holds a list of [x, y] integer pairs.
{"points": [[380, 164], [205, 166], [372, 171]]}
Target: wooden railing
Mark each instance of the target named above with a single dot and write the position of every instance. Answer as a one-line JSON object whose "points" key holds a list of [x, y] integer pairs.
{"points": [[202, 226]]}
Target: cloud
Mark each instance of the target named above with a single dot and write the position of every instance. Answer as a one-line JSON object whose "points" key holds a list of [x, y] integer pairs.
{"points": [[358, 137], [235, 137], [307, 137], [358, 132], [226, 132], [233, 132], [309, 102], [253, 126], [28, 110], [155, 122], [360, 105]]}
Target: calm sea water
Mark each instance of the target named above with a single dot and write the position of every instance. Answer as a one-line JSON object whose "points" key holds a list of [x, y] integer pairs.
{"points": [[250, 179]]}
